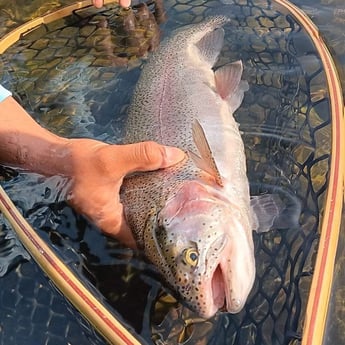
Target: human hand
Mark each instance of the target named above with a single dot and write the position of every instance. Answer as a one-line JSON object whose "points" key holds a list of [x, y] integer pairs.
{"points": [[122, 3], [97, 173], [137, 27]]}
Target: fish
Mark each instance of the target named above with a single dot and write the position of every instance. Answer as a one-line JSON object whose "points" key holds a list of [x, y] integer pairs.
{"points": [[194, 221]]}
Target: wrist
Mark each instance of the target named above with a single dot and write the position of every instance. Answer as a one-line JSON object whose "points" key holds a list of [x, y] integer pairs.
{"points": [[84, 156], [25, 144], [46, 153]]}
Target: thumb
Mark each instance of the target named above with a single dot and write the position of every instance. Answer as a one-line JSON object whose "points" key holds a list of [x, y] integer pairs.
{"points": [[148, 155]]}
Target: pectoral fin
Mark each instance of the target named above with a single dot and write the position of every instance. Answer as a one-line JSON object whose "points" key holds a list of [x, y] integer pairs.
{"points": [[270, 211], [206, 160]]}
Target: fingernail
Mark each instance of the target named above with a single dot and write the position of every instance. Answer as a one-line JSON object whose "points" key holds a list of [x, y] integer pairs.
{"points": [[173, 155], [98, 3], [125, 3]]}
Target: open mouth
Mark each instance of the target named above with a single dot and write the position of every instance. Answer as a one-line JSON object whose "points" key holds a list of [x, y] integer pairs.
{"points": [[218, 288]]}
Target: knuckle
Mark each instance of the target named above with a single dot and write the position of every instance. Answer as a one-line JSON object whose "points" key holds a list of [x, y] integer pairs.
{"points": [[150, 152]]}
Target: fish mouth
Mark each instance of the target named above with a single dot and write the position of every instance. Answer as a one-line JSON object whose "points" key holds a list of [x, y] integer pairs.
{"points": [[222, 293], [218, 288]]}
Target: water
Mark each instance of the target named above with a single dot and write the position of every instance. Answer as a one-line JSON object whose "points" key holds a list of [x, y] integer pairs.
{"points": [[77, 86]]}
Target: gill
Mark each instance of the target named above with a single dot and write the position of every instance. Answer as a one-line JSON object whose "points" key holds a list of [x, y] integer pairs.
{"points": [[150, 239]]}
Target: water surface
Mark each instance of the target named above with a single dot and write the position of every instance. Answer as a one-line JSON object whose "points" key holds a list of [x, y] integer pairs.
{"points": [[76, 75]]}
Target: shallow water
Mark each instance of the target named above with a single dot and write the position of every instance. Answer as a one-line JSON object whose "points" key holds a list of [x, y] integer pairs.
{"points": [[76, 86]]}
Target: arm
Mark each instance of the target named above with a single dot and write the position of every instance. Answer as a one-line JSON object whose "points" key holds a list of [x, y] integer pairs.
{"points": [[96, 169], [25, 144]]}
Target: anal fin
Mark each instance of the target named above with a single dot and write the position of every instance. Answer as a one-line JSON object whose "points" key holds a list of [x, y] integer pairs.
{"points": [[206, 160], [227, 78]]}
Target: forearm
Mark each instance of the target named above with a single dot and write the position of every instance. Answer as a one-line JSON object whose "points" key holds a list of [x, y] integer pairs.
{"points": [[27, 145]]}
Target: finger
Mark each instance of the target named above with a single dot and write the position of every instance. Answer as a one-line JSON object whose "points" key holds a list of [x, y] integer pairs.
{"points": [[121, 232], [125, 3], [97, 3], [116, 226], [148, 155], [105, 211], [112, 222]]}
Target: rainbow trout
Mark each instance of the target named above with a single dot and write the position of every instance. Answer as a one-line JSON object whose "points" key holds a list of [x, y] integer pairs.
{"points": [[194, 221]]}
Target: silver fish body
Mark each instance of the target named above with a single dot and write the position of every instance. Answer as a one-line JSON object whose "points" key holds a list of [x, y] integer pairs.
{"points": [[194, 220]]}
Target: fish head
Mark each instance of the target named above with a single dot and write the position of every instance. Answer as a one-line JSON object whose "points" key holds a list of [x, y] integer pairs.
{"points": [[205, 254]]}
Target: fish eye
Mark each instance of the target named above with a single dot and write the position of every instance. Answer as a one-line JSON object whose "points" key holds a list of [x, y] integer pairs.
{"points": [[191, 256]]}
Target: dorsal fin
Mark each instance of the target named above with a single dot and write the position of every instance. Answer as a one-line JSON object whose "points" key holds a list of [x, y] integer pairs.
{"points": [[206, 160], [227, 78], [210, 45]]}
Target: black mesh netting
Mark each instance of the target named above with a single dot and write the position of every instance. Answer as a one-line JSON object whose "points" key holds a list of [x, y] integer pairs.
{"points": [[76, 76]]}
